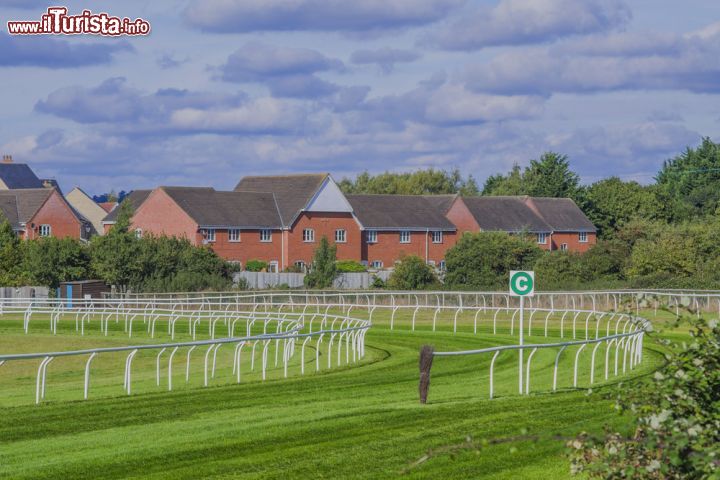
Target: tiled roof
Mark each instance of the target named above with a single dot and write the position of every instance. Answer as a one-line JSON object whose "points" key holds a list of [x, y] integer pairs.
{"points": [[562, 214], [293, 192], [21, 205], [211, 208], [136, 198], [19, 175], [410, 212], [108, 206]]}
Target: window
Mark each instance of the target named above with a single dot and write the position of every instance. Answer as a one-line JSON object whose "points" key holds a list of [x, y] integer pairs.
{"points": [[301, 265], [308, 235], [431, 263], [583, 237], [138, 233], [234, 235], [377, 264], [372, 236], [404, 236], [437, 237], [340, 236], [563, 246], [208, 234], [273, 266], [266, 235], [45, 230], [442, 265], [542, 238]]}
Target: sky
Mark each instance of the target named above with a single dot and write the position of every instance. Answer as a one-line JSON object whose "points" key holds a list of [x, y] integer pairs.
{"points": [[225, 88]]}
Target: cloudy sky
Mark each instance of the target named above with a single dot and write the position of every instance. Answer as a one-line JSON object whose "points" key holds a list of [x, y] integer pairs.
{"points": [[224, 88]]}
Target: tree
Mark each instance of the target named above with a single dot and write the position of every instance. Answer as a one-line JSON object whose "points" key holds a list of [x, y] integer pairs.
{"points": [[11, 255], [689, 184], [323, 269], [610, 203], [412, 273], [115, 256], [420, 182], [549, 176], [483, 260], [50, 261]]}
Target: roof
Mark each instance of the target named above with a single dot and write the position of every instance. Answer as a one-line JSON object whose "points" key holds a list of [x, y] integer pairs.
{"points": [[396, 212], [562, 214], [442, 202], [108, 206], [292, 192], [19, 175], [211, 208], [136, 198], [507, 214], [533, 214], [21, 205]]}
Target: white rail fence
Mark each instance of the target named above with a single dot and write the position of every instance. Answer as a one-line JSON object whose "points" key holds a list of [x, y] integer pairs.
{"points": [[292, 317]]}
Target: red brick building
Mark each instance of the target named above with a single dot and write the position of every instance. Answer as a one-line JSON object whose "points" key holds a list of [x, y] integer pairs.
{"points": [[281, 219], [41, 212], [557, 223]]}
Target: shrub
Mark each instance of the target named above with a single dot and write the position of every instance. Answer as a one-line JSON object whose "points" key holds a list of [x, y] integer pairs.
{"points": [[348, 266], [377, 282], [677, 426], [255, 266], [483, 260], [412, 273]]}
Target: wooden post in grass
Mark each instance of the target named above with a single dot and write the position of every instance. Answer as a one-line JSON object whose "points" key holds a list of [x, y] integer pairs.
{"points": [[426, 359]]}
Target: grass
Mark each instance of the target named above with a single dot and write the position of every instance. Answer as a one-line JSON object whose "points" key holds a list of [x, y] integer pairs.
{"points": [[355, 421]]}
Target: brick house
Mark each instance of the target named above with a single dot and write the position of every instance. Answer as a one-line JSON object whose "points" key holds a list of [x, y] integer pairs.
{"points": [[557, 223], [398, 225], [134, 198], [238, 226], [311, 207], [42, 212]]}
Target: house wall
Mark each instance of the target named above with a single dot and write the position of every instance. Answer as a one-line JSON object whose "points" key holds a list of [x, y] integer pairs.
{"points": [[56, 213], [573, 241], [324, 224], [388, 248], [460, 216], [248, 248], [88, 208], [160, 215]]}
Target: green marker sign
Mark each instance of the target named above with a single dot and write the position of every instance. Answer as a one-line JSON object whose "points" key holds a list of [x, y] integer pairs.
{"points": [[522, 283]]}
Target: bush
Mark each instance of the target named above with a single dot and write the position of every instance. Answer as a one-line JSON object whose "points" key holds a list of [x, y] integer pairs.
{"points": [[483, 260], [677, 431], [255, 266], [349, 266], [412, 273], [377, 282]]}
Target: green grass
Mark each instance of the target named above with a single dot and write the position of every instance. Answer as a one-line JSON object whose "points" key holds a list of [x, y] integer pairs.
{"points": [[355, 421]]}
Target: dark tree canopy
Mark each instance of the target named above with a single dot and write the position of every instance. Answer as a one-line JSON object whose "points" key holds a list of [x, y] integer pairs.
{"points": [[420, 182]]}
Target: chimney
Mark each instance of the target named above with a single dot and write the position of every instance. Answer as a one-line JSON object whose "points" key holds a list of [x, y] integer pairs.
{"points": [[7, 159]]}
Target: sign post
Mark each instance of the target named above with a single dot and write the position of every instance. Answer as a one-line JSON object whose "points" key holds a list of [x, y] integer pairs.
{"points": [[522, 284]]}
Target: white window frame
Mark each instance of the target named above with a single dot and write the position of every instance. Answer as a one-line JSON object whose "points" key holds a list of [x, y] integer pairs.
{"points": [[209, 235], [563, 247], [378, 264], [234, 235], [340, 235], [542, 238], [437, 236], [582, 237], [138, 233], [266, 235], [301, 264], [403, 235], [308, 235], [371, 236], [45, 230], [442, 265], [273, 267]]}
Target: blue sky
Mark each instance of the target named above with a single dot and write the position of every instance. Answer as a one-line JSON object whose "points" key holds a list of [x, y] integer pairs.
{"points": [[225, 88]]}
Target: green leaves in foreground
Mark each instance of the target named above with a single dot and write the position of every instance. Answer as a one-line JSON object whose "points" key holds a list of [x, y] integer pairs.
{"points": [[678, 421]]}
